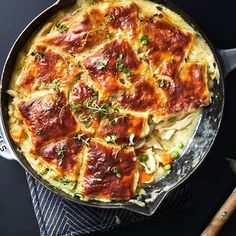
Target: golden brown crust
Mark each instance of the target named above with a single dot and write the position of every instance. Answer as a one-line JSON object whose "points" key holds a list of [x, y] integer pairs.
{"points": [[47, 118], [108, 172]]}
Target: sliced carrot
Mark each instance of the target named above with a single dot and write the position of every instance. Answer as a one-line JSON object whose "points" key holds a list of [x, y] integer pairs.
{"points": [[145, 178], [166, 158]]}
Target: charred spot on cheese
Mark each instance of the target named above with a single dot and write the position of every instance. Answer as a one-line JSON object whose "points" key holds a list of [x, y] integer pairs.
{"points": [[47, 118], [105, 77], [167, 46], [106, 174], [64, 155], [45, 67], [122, 126]]}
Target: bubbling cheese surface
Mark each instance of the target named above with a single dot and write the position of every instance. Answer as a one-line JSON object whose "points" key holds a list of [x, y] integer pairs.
{"points": [[106, 95]]}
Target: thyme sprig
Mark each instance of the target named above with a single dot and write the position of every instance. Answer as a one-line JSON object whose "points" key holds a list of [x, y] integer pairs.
{"points": [[81, 137]]}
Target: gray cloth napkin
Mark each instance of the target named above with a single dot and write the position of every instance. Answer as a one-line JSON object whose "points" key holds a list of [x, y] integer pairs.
{"points": [[59, 217]]}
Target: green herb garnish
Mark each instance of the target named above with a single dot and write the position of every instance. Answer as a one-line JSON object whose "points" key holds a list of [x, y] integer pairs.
{"points": [[56, 85], [78, 195], [110, 139], [39, 131], [60, 153], [144, 39], [80, 137], [122, 146], [119, 57], [159, 8], [116, 171], [121, 67], [39, 56], [117, 109], [62, 28], [102, 64], [143, 158], [128, 73], [75, 106], [122, 81]]}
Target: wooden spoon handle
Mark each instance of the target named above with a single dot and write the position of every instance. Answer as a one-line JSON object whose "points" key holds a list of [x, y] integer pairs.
{"points": [[221, 216]]}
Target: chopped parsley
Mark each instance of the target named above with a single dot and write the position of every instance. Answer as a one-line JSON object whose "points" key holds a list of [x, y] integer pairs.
{"points": [[121, 67], [116, 171], [102, 64], [128, 73], [61, 154], [144, 39], [62, 28], [110, 139]]}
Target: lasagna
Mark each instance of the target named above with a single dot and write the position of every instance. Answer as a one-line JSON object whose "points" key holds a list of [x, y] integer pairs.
{"points": [[106, 96]]}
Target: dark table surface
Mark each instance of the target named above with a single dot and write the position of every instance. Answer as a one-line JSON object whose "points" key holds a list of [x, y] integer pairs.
{"points": [[210, 185]]}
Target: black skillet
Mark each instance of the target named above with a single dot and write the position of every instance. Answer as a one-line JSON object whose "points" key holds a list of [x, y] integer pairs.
{"points": [[194, 153]]}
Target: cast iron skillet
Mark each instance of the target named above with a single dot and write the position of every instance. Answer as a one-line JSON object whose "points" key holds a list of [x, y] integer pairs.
{"points": [[194, 153]]}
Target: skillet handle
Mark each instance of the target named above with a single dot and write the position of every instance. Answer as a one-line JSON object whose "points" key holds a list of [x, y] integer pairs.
{"points": [[4, 150], [228, 60]]}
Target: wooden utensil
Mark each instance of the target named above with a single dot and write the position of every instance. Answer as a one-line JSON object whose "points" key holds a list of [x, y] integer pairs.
{"points": [[221, 216]]}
